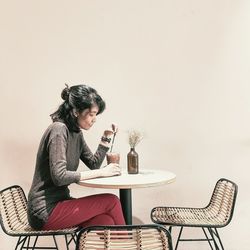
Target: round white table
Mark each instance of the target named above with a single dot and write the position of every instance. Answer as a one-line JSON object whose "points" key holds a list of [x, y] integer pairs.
{"points": [[126, 182]]}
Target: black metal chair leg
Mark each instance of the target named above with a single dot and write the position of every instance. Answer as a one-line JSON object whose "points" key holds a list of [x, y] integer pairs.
{"points": [[66, 241], [27, 244], [55, 242], [34, 244], [218, 236], [204, 231], [21, 239], [24, 240], [18, 242], [178, 239], [70, 240], [214, 241], [75, 237]]}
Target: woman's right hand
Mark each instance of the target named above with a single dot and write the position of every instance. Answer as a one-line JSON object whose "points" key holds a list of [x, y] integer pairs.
{"points": [[111, 170]]}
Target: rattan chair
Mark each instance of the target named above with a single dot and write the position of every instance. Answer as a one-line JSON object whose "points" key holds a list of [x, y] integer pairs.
{"points": [[14, 222], [218, 213], [140, 237]]}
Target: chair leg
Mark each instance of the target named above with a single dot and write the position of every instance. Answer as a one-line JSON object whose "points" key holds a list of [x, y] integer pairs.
{"points": [[27, 245], [24, 242], [34, 244], [207, 238], [21, 240], [213, 232], [72, 238], [55, 242], [28, 242], [212, 235], [218, 244], [66, 241], [75, 238], [178, 239], [218, 236]]}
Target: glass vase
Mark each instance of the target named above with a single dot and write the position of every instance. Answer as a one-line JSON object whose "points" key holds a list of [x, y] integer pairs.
{"points": [[133, 163]]}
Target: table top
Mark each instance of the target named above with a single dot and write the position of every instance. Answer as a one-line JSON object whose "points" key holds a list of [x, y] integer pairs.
{"points": [[145, 178]]}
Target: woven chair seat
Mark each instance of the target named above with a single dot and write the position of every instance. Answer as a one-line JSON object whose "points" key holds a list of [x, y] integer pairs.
{"points": [[133, 237], [189, 217], [28, 230]]}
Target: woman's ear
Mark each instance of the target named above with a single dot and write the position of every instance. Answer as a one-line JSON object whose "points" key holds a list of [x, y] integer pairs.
{"points": [[75, 113]]}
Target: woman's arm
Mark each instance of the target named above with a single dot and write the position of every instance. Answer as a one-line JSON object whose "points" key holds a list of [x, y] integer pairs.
{"points": [[94, 161], [110, 170], [57, 147]]}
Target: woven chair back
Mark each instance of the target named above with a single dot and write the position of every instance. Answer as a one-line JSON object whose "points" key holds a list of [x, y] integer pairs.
{"points": [[13, 209], [221, 205], [127, 237]]}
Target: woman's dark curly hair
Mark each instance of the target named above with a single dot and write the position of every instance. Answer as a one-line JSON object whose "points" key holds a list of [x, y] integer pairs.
{"points": [[76, 99]]}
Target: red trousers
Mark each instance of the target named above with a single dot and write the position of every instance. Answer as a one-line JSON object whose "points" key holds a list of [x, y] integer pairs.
{"points": [[100, 209]]}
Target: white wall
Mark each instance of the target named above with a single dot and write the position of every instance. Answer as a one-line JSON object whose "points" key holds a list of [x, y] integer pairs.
{"points": [[176, 70]]}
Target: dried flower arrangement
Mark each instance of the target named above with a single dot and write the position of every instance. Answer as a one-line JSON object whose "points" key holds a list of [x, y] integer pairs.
{"points": [[134, 137]]}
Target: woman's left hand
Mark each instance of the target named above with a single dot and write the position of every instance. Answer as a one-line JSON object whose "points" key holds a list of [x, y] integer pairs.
{"points": [[110, 131], [107, 134]]}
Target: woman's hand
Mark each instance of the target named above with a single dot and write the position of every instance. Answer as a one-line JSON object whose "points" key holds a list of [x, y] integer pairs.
{"points": [[107, 134], [110, 131], [110, 170]]}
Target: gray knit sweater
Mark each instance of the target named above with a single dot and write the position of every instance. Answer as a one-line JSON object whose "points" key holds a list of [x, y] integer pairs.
{"points": [[56, 164]]}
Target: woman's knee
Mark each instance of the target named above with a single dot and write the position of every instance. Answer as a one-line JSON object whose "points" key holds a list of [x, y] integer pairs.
{"points": [[112, 198], [101, 220], [106, 219], [113, 201]]}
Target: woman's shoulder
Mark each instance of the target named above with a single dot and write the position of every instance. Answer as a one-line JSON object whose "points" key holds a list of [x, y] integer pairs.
{"points": [[58, 128], [58, 125]]}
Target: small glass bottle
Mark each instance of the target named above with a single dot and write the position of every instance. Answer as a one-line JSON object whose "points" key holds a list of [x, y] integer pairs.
{"points": [[132, 160]]}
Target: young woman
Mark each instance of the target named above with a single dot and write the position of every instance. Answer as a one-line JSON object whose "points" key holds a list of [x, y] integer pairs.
{"points": [[50, 206]]}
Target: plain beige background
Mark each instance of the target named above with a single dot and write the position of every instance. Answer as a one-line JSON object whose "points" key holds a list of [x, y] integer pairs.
{"points": [[178, 71]]}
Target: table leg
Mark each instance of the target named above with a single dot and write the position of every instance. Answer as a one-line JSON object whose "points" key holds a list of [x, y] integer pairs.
{"points": [[126, 202]]}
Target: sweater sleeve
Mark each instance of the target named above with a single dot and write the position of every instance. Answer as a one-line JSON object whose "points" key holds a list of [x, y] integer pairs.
{"points": [[93, 161], [57, 147]]}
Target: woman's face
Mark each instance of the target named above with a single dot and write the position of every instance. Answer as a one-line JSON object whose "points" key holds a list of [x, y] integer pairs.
{"points": [[87, 117]]}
